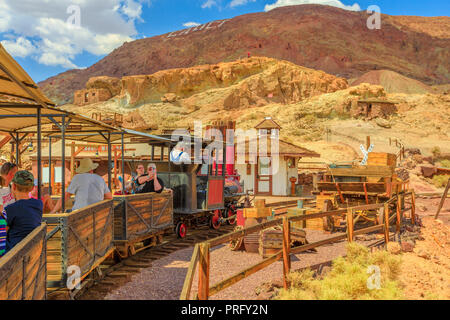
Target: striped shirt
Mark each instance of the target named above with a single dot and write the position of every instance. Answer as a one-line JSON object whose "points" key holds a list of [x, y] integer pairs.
{"points": [[2, 234]]}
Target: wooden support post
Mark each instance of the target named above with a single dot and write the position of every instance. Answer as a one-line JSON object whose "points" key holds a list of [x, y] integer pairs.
{"points": [[444, 197], [72, 159], [386, 223], [350, 225], [286, 250], [413, 208], [368, 142], [399, 213], [203, 272]]}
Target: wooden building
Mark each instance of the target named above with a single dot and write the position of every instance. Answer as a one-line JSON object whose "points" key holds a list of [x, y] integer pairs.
{"points": [[374, 108], [90, 96], [260, 173]]}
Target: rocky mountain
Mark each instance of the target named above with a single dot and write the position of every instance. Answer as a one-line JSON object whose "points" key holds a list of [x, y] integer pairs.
{"points": [[319, 37]]}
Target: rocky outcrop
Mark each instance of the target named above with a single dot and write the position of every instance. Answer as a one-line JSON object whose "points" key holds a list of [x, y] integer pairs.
{"points": [[109, 83], [239, 84]]}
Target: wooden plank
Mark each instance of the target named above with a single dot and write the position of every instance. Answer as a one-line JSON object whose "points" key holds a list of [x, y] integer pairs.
{"points": [[286, 250], [244, 274], [386, 223], [444, 196], [203, 271], [350, 225], [187, 286]]}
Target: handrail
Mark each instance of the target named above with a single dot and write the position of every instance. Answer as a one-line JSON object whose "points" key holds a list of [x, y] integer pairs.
{"points": [[203, 258]]}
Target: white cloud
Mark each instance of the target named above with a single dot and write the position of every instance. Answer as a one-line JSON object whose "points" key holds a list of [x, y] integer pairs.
{"points": [[334, 3], [236, 3], [209, 4], [19, 47], [41, 29], [191, 24]]}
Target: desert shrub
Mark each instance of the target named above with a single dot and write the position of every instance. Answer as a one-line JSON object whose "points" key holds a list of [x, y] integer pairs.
{"points": [[436, 151], [445, 163], [440, 181], [347, 279]]}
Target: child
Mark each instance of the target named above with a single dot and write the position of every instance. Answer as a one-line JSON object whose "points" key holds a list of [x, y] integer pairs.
{"points": [[24, 215], [2, 234], [3, 192]]}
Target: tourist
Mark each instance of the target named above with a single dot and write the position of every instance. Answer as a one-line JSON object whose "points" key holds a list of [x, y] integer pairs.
{"points": [[7, 172], [150, 182], [179, 156], [140, 178], [88, 187], [25, 214]]}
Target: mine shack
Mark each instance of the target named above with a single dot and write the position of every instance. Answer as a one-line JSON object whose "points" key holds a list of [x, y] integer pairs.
{"points": [[374, 108]]}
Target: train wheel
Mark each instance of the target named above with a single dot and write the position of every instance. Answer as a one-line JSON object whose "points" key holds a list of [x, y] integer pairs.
{"points": [[181, 230], [214, 221], [229, 212]]}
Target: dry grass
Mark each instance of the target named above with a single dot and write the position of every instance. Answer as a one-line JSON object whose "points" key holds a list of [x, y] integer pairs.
{"points": [[348, 278], [440, 181]]}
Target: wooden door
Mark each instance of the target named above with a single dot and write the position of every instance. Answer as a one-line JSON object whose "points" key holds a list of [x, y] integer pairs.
{"points": [[263, 183]]}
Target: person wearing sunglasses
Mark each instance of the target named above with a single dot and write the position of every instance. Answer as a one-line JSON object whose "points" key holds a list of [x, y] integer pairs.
{"points": [[150, 181]]}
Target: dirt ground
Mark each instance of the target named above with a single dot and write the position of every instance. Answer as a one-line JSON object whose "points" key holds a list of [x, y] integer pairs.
{"points": [[426, 270]]}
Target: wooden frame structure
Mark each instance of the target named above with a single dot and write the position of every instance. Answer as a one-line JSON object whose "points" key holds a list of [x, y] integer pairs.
{"points": [[23, 270], [201, 256]]}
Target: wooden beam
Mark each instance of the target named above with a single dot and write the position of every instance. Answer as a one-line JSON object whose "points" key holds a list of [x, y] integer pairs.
{"points": [[444, 196], [413, 208], [245, 273], [203, 272], [286, 250], [350, 227], [386, 223], [4, 141], [186, 292], [399, 213]]}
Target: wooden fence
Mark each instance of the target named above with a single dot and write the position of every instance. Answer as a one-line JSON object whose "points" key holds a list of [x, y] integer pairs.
{"points": [[201, 254]]}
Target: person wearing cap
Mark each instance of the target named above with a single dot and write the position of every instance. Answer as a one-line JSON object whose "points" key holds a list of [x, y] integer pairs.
{"points": [[88, 187], [25, 214], [7, 173]]}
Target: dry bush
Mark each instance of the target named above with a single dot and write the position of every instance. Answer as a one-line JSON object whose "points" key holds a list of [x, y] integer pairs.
{"points": [[440, 181], [347, 279]]}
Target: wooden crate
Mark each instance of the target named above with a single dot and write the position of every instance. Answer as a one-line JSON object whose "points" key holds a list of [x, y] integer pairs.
{"points": [[314, 224], [257, 212], [271, 240], [320, 201], [83, 238], [23, 270], [141, 217], [382, 159], [295, 212]]}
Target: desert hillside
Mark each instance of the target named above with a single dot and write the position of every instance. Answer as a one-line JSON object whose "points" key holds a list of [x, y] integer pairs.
{"points": [[311, 106], [315, 36], [393, 82]]}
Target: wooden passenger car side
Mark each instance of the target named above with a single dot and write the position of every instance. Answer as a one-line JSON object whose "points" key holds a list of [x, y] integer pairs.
{"points": [[23, 272]]}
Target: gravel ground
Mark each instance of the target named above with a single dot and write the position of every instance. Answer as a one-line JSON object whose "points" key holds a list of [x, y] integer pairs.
{"points": [[164, 280]]}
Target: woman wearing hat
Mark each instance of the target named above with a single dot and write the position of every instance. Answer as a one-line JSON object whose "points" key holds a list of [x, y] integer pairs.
{"points": [[88, 188]]}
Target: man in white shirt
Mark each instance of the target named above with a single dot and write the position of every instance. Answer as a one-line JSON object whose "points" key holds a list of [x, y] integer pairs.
{"points": [[178, 155], [88, 188]]}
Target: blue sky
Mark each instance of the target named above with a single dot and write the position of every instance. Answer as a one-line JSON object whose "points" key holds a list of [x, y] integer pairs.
{"points": [[35, 32]]}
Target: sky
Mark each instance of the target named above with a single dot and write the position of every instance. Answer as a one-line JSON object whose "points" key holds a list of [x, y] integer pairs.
{"points": [[48, 37]]}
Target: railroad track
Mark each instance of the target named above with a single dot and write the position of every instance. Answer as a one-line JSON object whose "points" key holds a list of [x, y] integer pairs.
{"points": [[112, 275]]}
